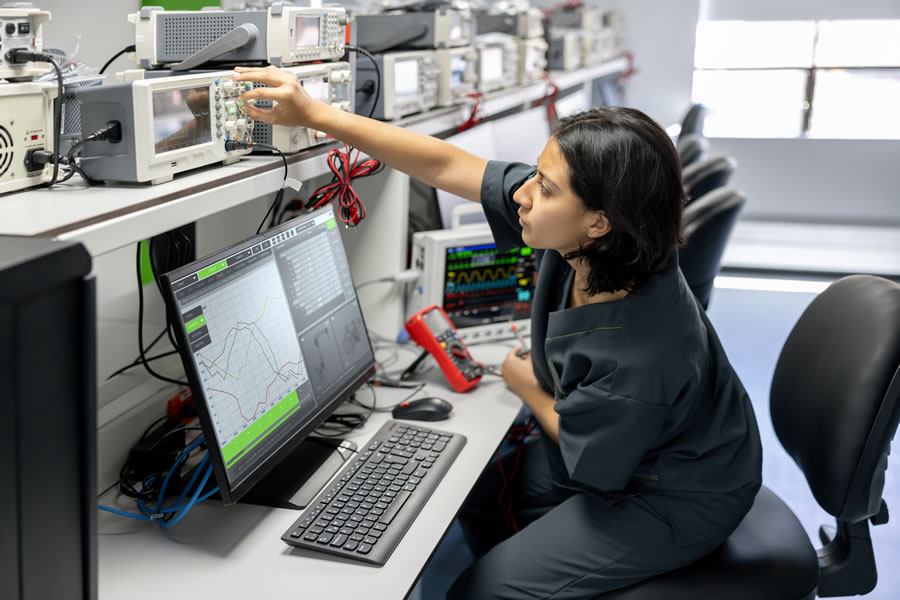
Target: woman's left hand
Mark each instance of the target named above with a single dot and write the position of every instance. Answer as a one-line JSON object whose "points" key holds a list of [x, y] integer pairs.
{"points": [[518, 372]]}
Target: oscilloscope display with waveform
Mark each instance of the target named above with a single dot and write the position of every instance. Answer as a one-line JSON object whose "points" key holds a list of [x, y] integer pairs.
{"points": [[483, 285]]}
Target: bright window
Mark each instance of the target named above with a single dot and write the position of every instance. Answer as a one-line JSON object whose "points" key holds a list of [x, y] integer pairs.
{"points": [[824, 79]]}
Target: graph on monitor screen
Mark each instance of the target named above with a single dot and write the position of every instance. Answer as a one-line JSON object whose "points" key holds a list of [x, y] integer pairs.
{"points": [[251, 367]]}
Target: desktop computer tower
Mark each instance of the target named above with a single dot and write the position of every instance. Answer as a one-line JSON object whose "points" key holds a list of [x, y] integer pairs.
{"points": [[48, 424]]}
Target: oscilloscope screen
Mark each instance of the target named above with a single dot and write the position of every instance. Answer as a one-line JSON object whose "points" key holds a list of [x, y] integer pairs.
{"points": [[483, 285]]}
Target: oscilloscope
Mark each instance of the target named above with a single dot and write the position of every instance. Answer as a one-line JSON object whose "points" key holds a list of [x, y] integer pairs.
{"points": [[498, 61], [329, 82], [457, 74], [480, 287], [409, 84], [168, 124]]}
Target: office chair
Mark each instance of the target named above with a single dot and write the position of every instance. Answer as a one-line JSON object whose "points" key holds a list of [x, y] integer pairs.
{"points": [[691, 148], [835, 403], [693, 120], [705, 175], [707, 225]]}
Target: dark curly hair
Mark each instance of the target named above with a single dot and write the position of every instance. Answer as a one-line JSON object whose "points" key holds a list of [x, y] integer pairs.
{"points": [[621, 162]]}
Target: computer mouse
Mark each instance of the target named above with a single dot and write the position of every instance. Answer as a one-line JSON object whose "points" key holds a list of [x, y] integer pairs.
{"points": [[423, 409]]}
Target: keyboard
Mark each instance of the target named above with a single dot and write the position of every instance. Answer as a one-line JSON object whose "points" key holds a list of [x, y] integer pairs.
{"points": [[364, 513]]}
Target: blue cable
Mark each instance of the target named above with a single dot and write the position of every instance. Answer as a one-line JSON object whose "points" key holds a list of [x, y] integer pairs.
{"points": [[192, 502], [193, 479], [177, 506], [181, 458], [159, 512]]}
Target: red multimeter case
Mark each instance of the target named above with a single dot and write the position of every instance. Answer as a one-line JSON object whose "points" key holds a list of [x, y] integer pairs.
{"points": [[431, 328]]}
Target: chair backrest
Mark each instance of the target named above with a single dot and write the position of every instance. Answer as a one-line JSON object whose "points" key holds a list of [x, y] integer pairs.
{"points": [[708, 223], [691, 148], [693, 120], [835, 396], [705, 175]]}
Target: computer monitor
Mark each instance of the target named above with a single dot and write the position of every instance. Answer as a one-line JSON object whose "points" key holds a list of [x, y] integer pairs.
{"points": [[480, 287], [48, 432], [272, 339]]}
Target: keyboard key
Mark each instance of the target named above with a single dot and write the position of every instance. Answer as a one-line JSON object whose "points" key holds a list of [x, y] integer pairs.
{"points": [[394, 508], [324, 538], [339, 540], [351, 546], [370, 540], [364, 548]]}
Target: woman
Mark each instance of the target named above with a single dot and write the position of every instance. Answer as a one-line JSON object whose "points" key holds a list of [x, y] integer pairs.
{"points": [[649, 455]]}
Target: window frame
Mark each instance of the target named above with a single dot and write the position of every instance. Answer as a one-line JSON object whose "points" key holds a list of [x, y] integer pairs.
{"points": [[811, 74]]}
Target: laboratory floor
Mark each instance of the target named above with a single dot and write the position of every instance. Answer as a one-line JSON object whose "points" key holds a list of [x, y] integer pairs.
{"points": [[753, 317]]}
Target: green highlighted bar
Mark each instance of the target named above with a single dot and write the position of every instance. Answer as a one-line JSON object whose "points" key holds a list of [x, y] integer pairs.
{"points": [[195, 324], [212, 269], [527, 251], [331, 224], [263, 426], [147, 275]]}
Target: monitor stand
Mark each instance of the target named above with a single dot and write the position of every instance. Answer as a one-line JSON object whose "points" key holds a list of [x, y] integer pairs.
{"points": [[296, 480]]}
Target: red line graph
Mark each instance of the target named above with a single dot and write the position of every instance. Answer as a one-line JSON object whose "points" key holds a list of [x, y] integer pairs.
{"points": [[262, 402]]}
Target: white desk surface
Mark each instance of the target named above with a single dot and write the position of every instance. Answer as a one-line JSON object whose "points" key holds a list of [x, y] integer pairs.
{"points": [[236, 552]]}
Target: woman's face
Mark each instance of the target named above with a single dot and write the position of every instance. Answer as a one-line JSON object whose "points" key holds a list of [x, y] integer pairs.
{"points": [[551, 215]]}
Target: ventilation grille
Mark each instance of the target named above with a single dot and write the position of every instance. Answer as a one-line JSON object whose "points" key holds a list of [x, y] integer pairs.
{"points": [[187, 34], [71, 114], [6, 151], [262, 132]]}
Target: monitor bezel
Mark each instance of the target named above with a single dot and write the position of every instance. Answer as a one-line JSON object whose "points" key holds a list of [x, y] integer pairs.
{"points": [[232, 494]]}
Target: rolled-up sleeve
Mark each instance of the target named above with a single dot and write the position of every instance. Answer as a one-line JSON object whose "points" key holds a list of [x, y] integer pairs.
{"points": [[500, 182], [604, 436]]}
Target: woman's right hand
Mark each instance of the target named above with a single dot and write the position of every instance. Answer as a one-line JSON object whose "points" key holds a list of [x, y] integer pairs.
{"points": [[294, 105]]}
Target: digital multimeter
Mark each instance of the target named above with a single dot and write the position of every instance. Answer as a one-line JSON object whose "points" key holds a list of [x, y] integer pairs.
{"points": [[432, 329]]}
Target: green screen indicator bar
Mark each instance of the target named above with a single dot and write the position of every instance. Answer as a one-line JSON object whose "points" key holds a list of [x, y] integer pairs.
{"points": [[331, 224], [195, 323], [212, 269], [263, 426]]}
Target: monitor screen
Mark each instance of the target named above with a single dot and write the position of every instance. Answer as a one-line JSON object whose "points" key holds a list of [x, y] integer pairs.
{"points": [[306, 32], [180, 118], [483, 285], [406, 77], [456, 28], [316, 88], [491, 64], [273, 340], [457, 70], [533, 57]]}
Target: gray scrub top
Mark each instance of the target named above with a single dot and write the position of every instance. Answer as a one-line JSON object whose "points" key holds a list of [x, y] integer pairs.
{"points": [[647, 400]]}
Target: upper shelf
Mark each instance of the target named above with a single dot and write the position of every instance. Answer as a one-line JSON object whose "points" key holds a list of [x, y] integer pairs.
{"points": [[107, 217]]}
